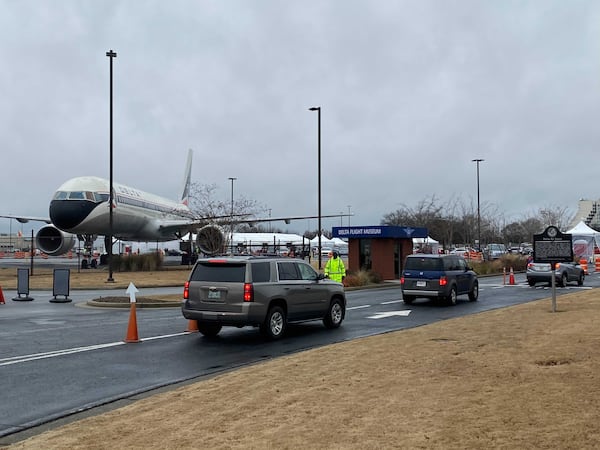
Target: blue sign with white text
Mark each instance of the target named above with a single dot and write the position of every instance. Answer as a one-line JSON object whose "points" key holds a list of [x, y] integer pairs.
{"points": [[379, 231]]}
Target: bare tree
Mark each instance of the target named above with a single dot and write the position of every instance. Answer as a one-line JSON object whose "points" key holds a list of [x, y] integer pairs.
{"points": [[204, 203]]}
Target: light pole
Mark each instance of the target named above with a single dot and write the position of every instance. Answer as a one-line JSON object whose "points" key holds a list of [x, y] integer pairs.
{"points": [[110, 279], [349, 216], [231, 221], [477, 161], [318, 109]]}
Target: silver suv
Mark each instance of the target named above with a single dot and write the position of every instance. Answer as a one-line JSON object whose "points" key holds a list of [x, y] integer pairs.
{"points": [[265, 292]]}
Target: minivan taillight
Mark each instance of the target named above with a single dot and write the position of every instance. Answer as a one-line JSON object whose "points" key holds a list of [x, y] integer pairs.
{"points": [[443, 281], [186, 290], [248, 292]]}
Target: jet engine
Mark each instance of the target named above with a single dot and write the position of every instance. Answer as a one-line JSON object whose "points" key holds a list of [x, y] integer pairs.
{"points": [[54, 242], [210, 240]]}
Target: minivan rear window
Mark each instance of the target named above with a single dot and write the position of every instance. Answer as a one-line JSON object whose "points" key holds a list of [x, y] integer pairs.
{"points": [[424, 264], [219, 272]]}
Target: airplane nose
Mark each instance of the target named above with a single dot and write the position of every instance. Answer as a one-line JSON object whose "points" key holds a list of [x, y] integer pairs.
{"points": [[67, 214]]}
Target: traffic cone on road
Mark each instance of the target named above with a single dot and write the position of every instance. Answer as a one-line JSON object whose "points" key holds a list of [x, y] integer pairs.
{"points": [[511, 277], [132, 331], [2, 296], [192, 326]]}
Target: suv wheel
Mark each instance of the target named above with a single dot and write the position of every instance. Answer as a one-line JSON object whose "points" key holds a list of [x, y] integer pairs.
{"points": [[580, 279], [474, 292], [209, 329], [408, 299], [452, 297], [275, 323], [335, 314]]}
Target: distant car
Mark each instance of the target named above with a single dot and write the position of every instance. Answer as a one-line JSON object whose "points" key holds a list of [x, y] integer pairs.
{"points": [[564, 273], [266, 292], [438, 277], [494, 251]]}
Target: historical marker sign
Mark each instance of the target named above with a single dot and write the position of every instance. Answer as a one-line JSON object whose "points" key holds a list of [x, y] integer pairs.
{"points": [[552, 246]]}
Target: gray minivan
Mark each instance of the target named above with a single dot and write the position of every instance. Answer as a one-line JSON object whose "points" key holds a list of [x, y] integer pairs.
{"points": [[266, 292], [438, 276]]}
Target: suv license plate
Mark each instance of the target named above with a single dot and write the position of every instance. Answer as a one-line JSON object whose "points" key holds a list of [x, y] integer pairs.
{"points": [[214, 295], [421, 283]]}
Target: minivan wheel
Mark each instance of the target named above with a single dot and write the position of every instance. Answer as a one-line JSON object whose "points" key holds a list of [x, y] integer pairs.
{"points": [[209, 329], [408, 299], [452, 297], [474, 294], [275, 323], [335, 314], [580, 279]]}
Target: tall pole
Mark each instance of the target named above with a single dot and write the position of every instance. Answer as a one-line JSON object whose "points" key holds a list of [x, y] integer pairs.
{"points": [[110, 279], [318, 109], [477, 161], [349, 216], [231, 221]]}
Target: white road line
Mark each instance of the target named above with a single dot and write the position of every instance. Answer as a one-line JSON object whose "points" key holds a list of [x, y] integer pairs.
{"points": [[69, 351], [392, 301], [359, 307]]}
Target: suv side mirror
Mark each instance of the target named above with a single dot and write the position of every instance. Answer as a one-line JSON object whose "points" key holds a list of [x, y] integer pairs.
{"points": [[321, 276]]}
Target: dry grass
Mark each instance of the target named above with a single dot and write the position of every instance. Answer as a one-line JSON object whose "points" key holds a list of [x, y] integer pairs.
{"points": [[96, 278], [515, 378]]}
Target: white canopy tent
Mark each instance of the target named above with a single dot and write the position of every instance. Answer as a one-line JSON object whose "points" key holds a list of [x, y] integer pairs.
{"points": [[584, 240], [426, 245]]}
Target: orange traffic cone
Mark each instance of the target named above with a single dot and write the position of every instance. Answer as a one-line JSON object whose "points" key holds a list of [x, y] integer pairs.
{"points": [[511, 277], [2, 296], [132, 331], [192, 326]]}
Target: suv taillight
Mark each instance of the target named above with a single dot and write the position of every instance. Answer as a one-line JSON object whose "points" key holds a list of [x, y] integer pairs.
{"points": [[443, 281], [401, 280], [248, 292], [186, 290]]}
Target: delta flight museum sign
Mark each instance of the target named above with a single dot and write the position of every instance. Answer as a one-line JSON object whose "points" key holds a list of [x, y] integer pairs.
{"points": [[380, 231], [552, 246]]}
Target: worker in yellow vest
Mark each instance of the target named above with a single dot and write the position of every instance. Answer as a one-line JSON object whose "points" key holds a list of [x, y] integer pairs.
{"points": [[335, 268]]}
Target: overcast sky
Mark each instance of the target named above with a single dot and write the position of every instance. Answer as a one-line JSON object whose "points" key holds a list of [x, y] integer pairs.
{"points": [[411, 92]]}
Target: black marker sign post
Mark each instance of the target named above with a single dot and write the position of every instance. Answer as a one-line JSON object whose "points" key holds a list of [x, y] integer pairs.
{"points": [[553, 247]]}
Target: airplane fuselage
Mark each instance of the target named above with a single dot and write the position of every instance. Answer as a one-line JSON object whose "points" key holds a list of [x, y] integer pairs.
{"points": [[81, 206]]}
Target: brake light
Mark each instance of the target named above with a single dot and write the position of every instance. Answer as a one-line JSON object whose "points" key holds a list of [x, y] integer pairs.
{"points": [[248, 292], [401, 280], [556, 266], [443, 281], [186, 290]]}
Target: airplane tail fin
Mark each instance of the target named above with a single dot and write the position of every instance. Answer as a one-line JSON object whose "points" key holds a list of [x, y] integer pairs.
{"points": [[187, 179]]}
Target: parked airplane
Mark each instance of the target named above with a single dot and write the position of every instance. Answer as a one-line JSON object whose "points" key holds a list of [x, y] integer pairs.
{"points": [[80, 209]]}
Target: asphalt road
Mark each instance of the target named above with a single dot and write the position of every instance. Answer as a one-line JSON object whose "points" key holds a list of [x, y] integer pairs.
{"points": [[58, 359]]}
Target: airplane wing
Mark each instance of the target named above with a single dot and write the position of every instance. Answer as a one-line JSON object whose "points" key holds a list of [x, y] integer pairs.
{"points": [[25, 219], [176, 226]]}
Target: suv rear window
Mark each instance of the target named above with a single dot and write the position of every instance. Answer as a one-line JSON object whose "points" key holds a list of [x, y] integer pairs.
{"points": [[261, 272], [219, 272], [424, 264]]}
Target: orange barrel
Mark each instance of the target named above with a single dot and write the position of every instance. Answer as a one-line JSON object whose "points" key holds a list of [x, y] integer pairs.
{"points": [[584, 266]]}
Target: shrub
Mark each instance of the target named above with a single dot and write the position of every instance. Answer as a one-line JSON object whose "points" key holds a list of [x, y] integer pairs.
{"points": [[131, 263], [361, 278]]}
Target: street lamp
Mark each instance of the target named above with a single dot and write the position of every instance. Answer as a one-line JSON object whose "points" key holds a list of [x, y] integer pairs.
{"points": [[349, 216], [318, 109], [477, 161], [231, 222], [110, 279]]}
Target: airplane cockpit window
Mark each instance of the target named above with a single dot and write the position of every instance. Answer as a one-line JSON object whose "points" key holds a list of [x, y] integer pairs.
{"points": [[102, 197], [76, 195], [61, 195]]}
